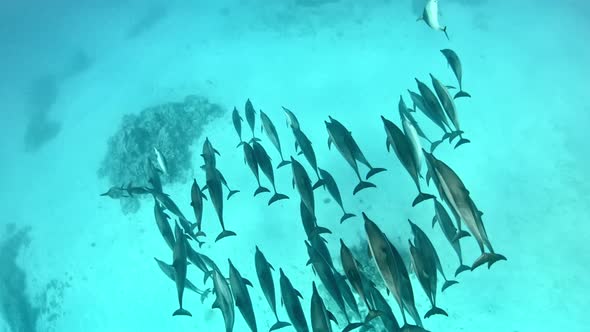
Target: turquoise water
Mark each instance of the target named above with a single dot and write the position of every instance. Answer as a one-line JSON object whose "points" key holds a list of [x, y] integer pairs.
{"points": [[72, 260]]}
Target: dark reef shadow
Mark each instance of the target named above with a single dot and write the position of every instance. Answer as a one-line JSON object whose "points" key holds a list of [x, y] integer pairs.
{"points": [[15, 306], [152, 16], [42, 94]]}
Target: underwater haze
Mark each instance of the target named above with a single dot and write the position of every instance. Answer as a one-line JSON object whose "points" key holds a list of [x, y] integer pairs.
{"points": [[108, 108]]}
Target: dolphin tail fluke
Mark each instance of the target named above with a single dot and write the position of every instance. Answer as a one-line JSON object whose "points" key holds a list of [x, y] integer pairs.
{"points": [[231, 193], [284, 163], [460, 234], [261, 190], [461, 94], [240, 144], [182, 312], [448, 283], [434, 145], [223, 234], [352, 326], [489, 258], [421, 198], [454, 135], [277, 197], [200, 233], [374, 171], [445, 31], [346, 216], [207, 275], [461, 142], [279, 325], [318, 230], [435, 311], [363, 185], [462, 268]]}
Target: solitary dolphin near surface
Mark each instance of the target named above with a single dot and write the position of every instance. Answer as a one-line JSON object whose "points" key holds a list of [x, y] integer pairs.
{"points": [[457, 68], [430, 16]]}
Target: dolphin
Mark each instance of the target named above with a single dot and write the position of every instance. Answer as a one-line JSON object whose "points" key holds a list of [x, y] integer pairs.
{"points": [[430, 16], [291, 119], [250, 159], [355, 149], [263, 271], [237, 120], [332, 188], [341, 143], [455, 63], [387, 317], [458, 197], [273, 136], [163, 225], [450, 231], [306, 147], [449, 106], [303, 184], [265, 165], [251, 118], [197, 197], [402, 147], [171, 273], [309, 222], [320, 316], [116, 193], [161, 160], [353, 274], [179, 263], [391, 269], [425, 269], [242, 296], [216, 194], [434, 109], [290, 299], [223, 300]]}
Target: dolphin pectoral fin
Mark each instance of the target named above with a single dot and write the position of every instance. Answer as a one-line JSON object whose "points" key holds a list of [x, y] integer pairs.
{"points": [[261, 190], [461, 94], [462, 268], [434, 219], [421, 197], [247, 282], [332, 317], [460, 234], [205, 294], [279, 325], [448, 283], [461, 142], [346, 216], [240, 144], [318, 230], [489, 258], [435, 311], [450, 87], [374, 171], [277, 197], [363, 185], [223, 234]]}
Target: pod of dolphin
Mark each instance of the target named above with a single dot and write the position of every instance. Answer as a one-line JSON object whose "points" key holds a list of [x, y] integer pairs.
{"points": [[405, 140]]}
